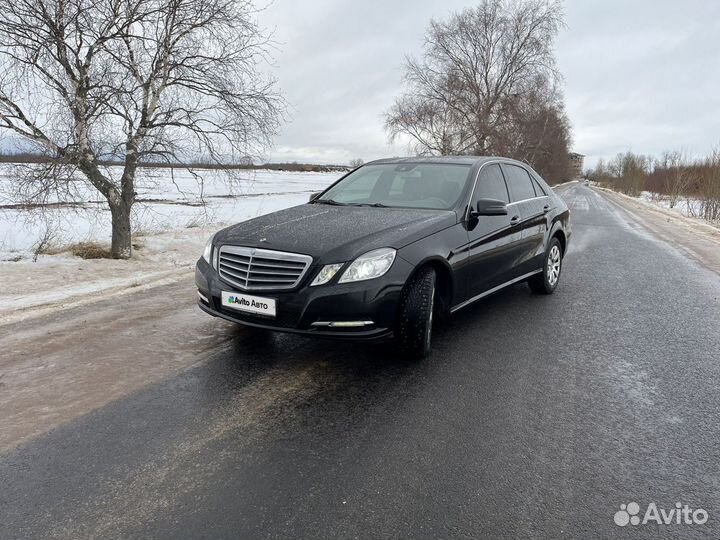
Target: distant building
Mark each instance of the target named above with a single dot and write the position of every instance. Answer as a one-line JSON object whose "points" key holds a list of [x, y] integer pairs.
{"points": [[576, 164]]}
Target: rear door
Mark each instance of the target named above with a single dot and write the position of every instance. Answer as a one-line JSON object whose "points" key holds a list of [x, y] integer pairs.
{"points": [[528, 199], [539, 226]]}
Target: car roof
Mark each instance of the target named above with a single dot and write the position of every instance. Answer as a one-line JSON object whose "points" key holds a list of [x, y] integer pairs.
{"points": [[457, 160]]}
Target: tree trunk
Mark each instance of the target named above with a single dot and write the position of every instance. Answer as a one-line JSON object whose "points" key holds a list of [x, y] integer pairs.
{"points": [[120, 203], [121, 236]]}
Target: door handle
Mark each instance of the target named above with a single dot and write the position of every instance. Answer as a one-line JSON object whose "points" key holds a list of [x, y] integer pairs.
{"points": [[546, 208], [515, 220]]}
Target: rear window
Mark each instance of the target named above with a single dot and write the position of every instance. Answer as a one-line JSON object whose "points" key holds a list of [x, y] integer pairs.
{"points": [[539, 190]]}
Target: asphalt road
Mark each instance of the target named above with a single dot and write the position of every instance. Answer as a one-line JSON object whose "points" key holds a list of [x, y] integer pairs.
{"points": [[533, 417]]}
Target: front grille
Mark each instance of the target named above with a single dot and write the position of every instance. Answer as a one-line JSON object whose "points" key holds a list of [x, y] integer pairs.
{"points": [[261, 269]]}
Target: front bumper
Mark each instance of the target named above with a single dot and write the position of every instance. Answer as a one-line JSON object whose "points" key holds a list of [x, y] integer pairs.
{"points": [[373, 301]]}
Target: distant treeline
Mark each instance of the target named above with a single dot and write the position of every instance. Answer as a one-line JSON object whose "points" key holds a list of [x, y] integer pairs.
{"points": [[673, 175], [26, 158]]}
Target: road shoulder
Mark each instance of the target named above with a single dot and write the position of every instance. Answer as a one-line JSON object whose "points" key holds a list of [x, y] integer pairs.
{"points": [[697, 240], [54, 368], [56, 283]]}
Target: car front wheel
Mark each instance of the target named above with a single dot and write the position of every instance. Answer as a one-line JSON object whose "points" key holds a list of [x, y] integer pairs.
{"points": [[415, 317], [546, 281]]}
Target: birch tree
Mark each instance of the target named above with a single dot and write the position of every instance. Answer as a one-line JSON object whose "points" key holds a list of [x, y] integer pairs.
{"points": [[478, 69], [89, 81]]}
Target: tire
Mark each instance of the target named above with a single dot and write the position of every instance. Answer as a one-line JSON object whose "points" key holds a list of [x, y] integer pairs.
{"points": [[547, 281], [415, 316]]}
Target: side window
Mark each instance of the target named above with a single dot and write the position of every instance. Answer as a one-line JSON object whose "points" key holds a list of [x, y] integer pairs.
{"points": [[539, 190], [491, 184], [519, 183]]}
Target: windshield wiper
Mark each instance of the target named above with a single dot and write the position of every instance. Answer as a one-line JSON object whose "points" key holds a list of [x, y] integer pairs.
{"points": [[336, 203], [328, 201]]}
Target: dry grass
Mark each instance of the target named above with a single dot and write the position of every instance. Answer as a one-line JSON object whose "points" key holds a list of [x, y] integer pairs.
{"points": [[90, 250]]}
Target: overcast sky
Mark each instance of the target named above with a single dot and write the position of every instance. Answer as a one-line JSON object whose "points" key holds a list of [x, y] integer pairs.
{"points": [[641, 75]]}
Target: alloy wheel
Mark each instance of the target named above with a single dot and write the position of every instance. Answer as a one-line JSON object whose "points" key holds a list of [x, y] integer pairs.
{"points": [[553, 265]]}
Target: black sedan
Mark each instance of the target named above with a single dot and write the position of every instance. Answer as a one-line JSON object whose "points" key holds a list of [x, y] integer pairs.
{"points": [[388, 247]]}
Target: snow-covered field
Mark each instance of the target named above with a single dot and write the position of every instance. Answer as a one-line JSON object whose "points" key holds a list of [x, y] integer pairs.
{"points": [[172, 222], [685, 206], [167, 201]]}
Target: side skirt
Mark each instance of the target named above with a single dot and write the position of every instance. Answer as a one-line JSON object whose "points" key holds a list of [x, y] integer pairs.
{"points": [[493, 290]]}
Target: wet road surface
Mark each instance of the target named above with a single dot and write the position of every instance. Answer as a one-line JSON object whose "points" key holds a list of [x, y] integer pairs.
{"points": [[533, 417]]}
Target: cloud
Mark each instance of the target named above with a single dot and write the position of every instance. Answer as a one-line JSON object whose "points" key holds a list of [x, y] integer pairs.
{"points": [[340, 67], [639, 75]]}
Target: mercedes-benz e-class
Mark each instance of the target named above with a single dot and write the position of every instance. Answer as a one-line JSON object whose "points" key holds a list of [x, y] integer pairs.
{"points": [[387, 248]]}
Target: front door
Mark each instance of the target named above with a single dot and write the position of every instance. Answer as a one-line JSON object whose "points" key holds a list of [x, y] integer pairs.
{"points": [[493, 241]]}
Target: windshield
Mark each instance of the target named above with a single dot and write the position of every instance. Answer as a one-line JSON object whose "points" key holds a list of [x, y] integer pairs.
{"points": [[406, 185]]}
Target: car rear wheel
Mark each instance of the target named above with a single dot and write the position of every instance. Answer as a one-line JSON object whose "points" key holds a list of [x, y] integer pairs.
{"points": [[546, 281], [415, 317]]}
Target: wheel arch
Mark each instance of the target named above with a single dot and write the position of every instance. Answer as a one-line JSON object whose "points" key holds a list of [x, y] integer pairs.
{"points": [[444, 282], [560, 235]]}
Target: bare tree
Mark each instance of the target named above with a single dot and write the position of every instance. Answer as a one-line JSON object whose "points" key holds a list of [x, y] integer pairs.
{"points": [[137, 80], [536, 130], [677, 175], [669, 177], [478, 69], [629, 172], [355, 163], [709, 187]]}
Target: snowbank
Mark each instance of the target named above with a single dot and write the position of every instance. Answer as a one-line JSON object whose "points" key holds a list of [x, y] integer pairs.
{"points": [[684, 207], [172, 225]]}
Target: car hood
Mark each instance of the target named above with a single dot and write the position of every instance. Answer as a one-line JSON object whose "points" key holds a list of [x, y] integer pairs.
{"points": [[336, 233]]}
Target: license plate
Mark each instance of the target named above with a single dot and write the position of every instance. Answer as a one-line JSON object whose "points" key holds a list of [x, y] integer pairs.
{"points": [[250, 304]]}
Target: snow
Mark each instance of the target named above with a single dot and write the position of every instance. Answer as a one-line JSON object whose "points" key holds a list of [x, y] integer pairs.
{"points": [[166, 201], [685, 206], [171, 227]]}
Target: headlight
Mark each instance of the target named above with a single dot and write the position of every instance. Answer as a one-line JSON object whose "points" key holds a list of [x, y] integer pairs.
{"points": [[207, 252], [369, 266], [326, 274]]}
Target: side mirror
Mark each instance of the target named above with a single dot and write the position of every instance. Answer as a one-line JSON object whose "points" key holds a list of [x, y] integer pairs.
{"points": [[489, 207], [313, 196]]}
